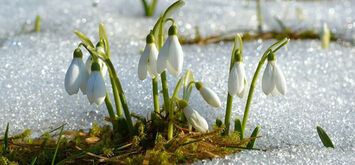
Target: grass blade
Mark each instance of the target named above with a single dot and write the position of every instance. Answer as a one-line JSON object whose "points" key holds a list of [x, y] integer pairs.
{"points": [[324, 137], [34, 160], [58, 143], [6, 140], [254, 134]]}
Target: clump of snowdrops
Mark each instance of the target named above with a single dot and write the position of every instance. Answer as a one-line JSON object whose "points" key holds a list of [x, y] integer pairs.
{"points": [[158, 59]]}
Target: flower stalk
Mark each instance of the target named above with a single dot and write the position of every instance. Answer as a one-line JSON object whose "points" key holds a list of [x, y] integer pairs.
{"points": [[281, 43], [227, 117]]}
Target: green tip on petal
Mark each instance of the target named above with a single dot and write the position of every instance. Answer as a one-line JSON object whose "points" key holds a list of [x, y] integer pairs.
{"points": [[183, 103], [150, 38], [77, 53], [271, 57], [95, 66], [238, 56], [173, 30], [198, 85]]}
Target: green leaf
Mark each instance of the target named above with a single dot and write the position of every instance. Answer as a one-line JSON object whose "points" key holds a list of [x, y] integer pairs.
{"points": [[324, 137], [34, 160], [6, 140], [103, 36], [58, 143], [176, 90], [172, 8], [84, 39], [219, 122], [253, 134], [238, 127]]}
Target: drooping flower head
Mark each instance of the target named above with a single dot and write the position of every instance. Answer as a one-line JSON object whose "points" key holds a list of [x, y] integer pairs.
{"points": [[76, 76], [96, 89], [208, 95], [273, 81], [148, 60], [237, 82], [103, 67], [171, 55], [193, 117]]}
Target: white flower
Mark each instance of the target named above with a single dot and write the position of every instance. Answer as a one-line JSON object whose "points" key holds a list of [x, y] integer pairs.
{"points": [[273, 81], [102, 65], [96, 90], [195, 119], [237, 82], [76, 76], [208, 95], [148, 60], [171, 55]]}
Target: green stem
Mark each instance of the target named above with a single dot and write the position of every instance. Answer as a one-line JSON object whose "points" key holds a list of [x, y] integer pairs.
{"points": [[145, 7], [155, 94], [227, 117], [116, 96], [167, 103], [110, 109], [112, 72], [255, 77]]}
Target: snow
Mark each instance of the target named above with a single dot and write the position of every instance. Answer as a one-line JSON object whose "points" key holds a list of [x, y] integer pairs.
{"points": [[320, 82]]}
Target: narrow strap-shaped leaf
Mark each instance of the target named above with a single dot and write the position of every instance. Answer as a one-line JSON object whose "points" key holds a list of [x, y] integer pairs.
{"points": [[238, 127], [34, 160], [103, 36], [58, 143], [177, 88], [6, 140], [324, 137], [84, 39], [253, 134], [172, 8]]}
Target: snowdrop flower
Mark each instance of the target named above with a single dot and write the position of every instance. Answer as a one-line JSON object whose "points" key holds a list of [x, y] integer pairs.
{"points": [[77, 75], [237, 82], [171, 55], [208, 95], [148, 60], [273, 81], [96, 90], [99, 48], [195, 119]]}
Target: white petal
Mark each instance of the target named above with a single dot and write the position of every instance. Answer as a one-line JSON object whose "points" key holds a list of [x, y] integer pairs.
{"points": [[232, 81], [84, 76], [240, 77], [103, 67], [175, 55], [279, 80], [210, 96], [96, 90], [163, 57], [243, 93], [88, 64], [72, 77], [274, 92], [142, 64], [100, 90], [195, 119], [267, 82], [152, 61], [172, 70], [90, 88]]}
